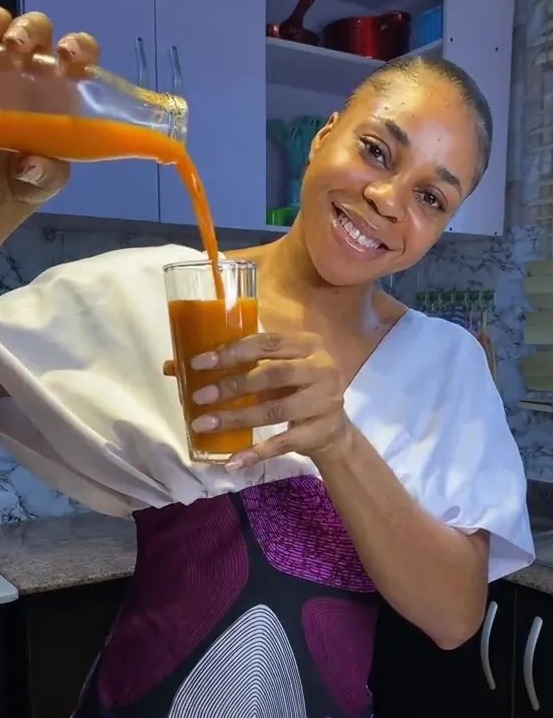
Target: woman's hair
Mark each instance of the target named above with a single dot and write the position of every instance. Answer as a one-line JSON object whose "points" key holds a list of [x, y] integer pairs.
{"points": [[413, 68]]}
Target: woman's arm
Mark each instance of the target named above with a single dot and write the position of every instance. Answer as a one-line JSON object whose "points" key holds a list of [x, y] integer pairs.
{"points": [[432, 574]]}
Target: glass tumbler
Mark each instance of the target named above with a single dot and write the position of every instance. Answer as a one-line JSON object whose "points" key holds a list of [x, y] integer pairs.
{"points": [[204, 318]]}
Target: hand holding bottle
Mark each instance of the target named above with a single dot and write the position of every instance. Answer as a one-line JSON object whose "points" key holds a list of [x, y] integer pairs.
{"points": [[26, 182]]}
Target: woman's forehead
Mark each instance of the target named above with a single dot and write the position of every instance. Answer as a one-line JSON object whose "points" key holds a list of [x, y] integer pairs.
{"points": [[431, 120]]}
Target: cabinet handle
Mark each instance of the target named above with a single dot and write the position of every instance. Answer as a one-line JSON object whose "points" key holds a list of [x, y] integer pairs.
{"points": [[176, 70], [528, 662], [141, 62], [485, 644]]}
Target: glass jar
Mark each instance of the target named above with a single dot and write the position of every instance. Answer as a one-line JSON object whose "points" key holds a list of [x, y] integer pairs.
{"points": [[82, 113]]}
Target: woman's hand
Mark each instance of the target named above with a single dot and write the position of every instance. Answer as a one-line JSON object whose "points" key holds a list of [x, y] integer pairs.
{"points": [[298, 382], [29, 181]]}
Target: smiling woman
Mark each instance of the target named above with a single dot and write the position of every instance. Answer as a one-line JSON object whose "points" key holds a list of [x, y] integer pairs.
{"points": [[411, 144], [392, 472]]}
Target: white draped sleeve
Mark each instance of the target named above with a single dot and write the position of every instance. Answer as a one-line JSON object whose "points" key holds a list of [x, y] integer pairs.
{"points": [[428, 404], [81, 355]]}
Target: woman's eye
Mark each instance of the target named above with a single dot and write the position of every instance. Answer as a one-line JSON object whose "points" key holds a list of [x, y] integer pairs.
{"points": [[431, 200], [375, 151]]}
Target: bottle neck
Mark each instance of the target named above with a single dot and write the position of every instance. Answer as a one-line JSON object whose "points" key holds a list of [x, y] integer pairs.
{"points": [[178, 114]]}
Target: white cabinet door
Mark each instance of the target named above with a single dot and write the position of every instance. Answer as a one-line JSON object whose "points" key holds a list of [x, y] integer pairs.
{"points": [[478, 37], [213, 53], [125, 29]]}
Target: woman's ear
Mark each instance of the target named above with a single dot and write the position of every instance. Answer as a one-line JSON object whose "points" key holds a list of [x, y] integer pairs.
{"points": [[322, 134]]}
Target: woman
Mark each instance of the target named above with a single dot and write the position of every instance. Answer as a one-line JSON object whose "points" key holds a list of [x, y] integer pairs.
{"points": [[398, 473]]}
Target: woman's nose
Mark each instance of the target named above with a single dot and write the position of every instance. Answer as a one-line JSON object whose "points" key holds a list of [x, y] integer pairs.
{"points": [[386, 199]]}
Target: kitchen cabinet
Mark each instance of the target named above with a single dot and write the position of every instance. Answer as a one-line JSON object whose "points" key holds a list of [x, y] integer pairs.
{"points": [[234, 78], [412, 676], [478, 37], [213, 53], [534, 655], [49, 641], [505, 671], [5, 642], [125, 30], [314, 80], [53, 642]]}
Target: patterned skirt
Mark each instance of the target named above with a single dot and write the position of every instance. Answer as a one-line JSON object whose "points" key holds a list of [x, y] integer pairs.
{"points": [[249, 605]]}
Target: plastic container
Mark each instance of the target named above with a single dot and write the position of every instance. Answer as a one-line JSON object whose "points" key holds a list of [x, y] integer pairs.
{"points": [[428, 27], [84, 113]]}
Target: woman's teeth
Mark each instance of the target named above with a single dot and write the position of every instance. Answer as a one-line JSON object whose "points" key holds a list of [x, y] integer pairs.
{"points": [[355, 235]]}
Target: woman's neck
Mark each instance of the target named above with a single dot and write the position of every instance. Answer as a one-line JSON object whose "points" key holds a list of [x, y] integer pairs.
{"points": [[287, 268], [290, 284]]}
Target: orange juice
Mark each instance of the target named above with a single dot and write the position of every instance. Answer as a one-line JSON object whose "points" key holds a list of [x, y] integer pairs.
{"points": [[85, 139], [198, 326]]}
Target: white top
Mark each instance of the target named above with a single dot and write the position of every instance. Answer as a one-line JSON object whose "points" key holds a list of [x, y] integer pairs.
{"points": [[81, 354]]}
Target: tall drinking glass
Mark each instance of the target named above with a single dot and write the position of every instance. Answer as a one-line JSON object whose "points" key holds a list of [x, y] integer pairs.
{"points": [[202, 320]]}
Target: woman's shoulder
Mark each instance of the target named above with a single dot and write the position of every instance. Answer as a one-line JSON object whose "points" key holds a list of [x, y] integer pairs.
{"points": [[441, 337]]}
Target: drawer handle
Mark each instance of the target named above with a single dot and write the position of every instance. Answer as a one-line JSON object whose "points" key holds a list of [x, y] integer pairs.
{"points": [[142, 64], [528, 662], [485, 644], [176, 70]]}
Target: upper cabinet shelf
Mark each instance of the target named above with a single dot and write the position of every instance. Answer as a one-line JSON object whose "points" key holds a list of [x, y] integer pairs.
{"points": [[236, 79], [322, 70]]}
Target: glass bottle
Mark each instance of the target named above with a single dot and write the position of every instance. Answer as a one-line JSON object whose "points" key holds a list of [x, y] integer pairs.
{"points": [[82, 113]]}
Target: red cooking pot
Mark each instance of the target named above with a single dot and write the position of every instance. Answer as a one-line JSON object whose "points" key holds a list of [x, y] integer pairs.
{"points": [[358, 35], [380, 37], [395, 31]]}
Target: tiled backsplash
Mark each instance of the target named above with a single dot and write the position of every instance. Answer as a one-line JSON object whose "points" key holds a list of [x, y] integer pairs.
{"points": [[460, 262], [497, 264]]}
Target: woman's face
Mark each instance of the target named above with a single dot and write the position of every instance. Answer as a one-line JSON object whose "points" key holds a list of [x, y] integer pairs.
{"points": [[385, 178]]}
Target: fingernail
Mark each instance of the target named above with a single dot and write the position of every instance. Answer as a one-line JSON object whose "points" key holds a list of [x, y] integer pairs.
{"points": [[205, 361], [69, 48], [240, 461], [30, 173], [205, 423], [18, 35], [207, 395], [233, 465]]}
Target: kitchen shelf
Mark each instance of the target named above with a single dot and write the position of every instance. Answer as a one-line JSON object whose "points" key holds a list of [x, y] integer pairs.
{"points": [[317, 68]]}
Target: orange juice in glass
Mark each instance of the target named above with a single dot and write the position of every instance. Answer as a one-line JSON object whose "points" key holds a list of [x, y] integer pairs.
{"points": [[203, 318]]}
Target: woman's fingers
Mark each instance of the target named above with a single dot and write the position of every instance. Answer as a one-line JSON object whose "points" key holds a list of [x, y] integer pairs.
{"points": [[5, 21], [79, 48], [29, 33], [36, 179]]}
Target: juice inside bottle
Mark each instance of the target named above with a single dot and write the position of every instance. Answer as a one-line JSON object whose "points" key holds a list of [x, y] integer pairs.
{"points": [[88, 139], [203, 325]]}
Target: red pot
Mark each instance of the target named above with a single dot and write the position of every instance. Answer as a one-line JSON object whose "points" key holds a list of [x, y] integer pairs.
{"points": [[395, 31], [358, 35]]}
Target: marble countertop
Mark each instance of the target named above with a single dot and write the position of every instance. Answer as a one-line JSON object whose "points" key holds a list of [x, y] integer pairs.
{"points": [[539, 575], [48, 554], [85, 548]]}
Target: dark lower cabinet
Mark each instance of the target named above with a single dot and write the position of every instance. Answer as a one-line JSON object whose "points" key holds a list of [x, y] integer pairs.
{"points": [[413, 677], [54, 640], [505, 671], [49, 641], [534, 655]]}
